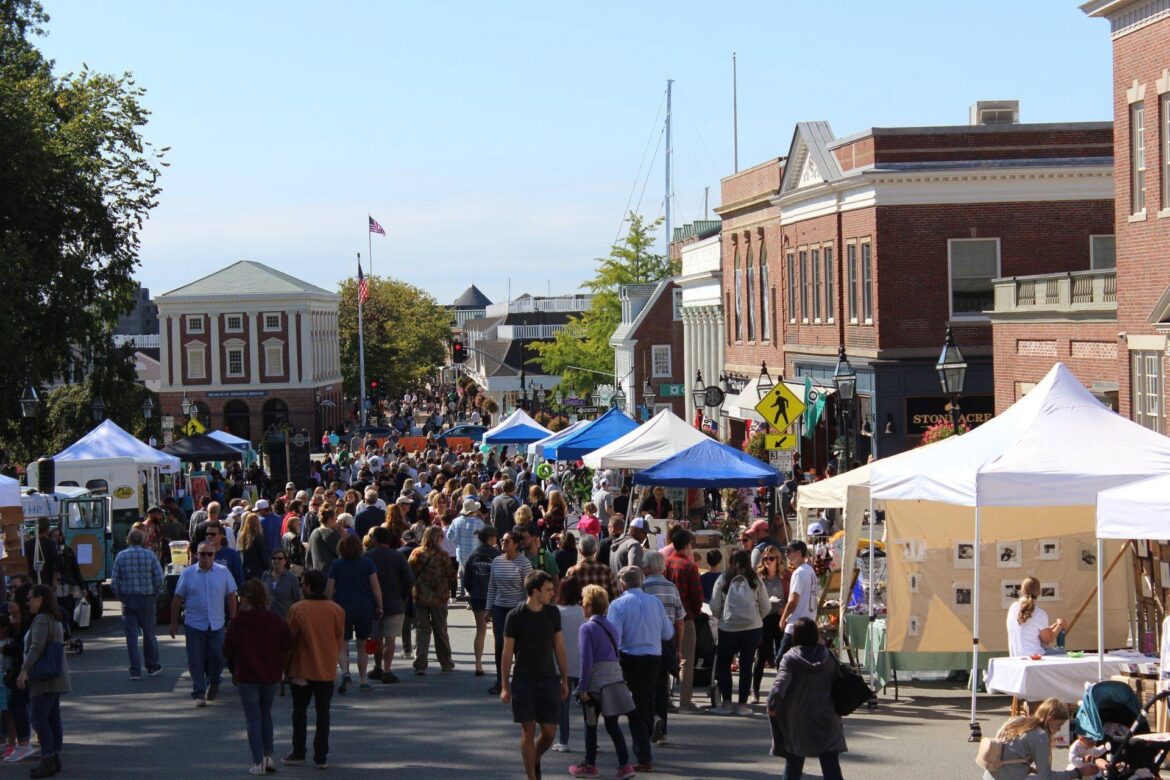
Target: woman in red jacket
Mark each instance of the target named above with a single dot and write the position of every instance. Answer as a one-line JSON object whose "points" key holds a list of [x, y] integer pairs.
{"points": [[255, 646]]}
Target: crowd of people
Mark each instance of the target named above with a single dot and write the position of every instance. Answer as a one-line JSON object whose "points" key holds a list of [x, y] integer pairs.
{"points": [[304, 587]]}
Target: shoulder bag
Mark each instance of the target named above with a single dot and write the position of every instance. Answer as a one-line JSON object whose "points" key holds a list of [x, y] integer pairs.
{"points": [[849, 690], [51, 664]]}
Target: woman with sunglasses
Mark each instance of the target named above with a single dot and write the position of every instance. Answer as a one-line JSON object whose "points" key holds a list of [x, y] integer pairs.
{"points": [[281, 584], [771, 575]]}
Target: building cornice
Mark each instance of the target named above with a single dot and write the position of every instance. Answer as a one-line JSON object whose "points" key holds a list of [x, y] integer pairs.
{"points": [[233, 386], [1126, 16], [236, 303]]}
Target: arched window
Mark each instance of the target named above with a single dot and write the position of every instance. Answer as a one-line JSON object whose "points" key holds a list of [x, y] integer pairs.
{"points": [[751, 295], [275, 413], [237, 419], [738, 297], [765, 309]]}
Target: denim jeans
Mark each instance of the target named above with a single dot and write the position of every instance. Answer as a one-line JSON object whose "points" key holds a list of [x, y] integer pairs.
{"points": [[499, 615], [46, 719], [320, 691], [138, 617], [731, 644], [830, 767], [257, 700], [564, 726], [18, 707], [204, 659], [613, 727]]}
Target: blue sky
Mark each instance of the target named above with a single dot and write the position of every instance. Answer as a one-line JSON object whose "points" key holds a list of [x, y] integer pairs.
{"points": [[502, 141]]}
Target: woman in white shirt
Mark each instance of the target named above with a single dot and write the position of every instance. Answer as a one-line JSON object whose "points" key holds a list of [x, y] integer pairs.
{"points": [[1027, 624]]}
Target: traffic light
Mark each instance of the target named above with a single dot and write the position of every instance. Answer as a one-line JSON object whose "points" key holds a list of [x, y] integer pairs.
{"points": [[458, 352], [373, 388]]}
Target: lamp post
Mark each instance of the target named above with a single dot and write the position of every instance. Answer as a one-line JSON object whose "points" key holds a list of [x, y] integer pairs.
{"points": [[98, 408], [764, 384], [317, 413], [618, 400], [147, 414], [648, 397], [185, 405], [28, 403], [845, 378], [952, 374]]}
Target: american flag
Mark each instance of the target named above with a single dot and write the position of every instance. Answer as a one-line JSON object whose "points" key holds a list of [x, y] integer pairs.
{"points": [[363, 288], [376, 228]]}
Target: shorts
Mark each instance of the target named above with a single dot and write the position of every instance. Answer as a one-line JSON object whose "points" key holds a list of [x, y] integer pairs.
{"points": [[478, 605], [536, 700], [358, 624], [390, 626]]}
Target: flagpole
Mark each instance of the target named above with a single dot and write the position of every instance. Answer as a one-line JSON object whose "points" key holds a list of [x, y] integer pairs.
{"points": [[361, 355]]}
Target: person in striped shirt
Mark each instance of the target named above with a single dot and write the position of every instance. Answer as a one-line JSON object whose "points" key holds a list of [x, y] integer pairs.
{"points": [[505, 592]]}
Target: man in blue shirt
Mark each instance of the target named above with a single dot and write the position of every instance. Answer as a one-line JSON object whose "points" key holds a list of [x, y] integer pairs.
{"points": [[209, 594], [224, 555], [642, 627], [270, 523], [136, 579]]}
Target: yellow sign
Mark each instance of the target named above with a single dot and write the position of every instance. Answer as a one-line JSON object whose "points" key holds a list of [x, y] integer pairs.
{"points": [[192, 427], [123, 492], [780, 441], [780, 407]]}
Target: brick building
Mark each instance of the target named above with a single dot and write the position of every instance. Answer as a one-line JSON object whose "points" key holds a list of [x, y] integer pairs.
{"points": [[880, 240], [1141, 111], [251, 347], [648, 348]]}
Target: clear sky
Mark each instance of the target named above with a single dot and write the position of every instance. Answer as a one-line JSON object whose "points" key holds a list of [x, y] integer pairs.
{"points": [[499, 141]]}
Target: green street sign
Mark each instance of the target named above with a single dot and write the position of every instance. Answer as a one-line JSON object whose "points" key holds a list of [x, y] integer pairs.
{"points": [[672, 390]]}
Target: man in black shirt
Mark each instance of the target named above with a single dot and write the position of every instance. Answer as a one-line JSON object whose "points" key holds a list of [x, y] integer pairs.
{"points": [[532, 632], [621, 504], [616, 525]]}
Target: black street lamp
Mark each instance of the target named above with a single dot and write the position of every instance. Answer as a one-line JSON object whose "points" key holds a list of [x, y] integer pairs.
{"points": [[845, 378], [28, 403], [186, 405], [648, 397], [619, 398], [952, 374], [699, 390], [764, 384], [98, 409]]}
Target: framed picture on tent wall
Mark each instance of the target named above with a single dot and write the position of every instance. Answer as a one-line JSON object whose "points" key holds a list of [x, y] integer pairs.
{"points": [[961, 594], [1049, 591], [1048, 550], [1086, 557], [1009, 555], [1009, 592], [963, 555], [913, 550]]}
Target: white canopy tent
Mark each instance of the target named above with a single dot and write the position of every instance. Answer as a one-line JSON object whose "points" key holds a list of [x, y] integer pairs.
{"points": [[108, 440], [9, 492], [1058, 446], [663, 435]]}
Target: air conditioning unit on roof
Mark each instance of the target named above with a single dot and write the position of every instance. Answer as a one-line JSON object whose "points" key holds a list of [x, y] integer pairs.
{"points": [[995, 112]]}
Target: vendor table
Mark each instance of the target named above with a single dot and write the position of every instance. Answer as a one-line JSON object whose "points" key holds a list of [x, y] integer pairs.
{"points": [[1053, 675], [869, 641]]}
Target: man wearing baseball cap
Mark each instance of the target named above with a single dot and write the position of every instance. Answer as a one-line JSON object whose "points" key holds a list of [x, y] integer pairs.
{"points": [[270, 523], [463, 533], [629, 552]]}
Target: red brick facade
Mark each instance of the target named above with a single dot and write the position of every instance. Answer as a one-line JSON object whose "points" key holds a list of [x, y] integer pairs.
{"points": [[1024, 352], [661, 328]]}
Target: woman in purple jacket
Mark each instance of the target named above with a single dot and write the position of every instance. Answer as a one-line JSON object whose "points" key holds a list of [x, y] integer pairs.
{"points": [[601, 690]]}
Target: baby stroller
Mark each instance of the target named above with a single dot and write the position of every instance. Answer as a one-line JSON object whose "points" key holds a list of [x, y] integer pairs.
{"points": [[1112, 714]]}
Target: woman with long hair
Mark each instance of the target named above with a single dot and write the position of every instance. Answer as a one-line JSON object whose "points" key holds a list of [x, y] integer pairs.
{"points": [[740, 602], [1028, 629], [1028, 741], [433, 569], [293, 547], [535, 502], [353, 584], [45, 643], [771, 574], [255, 645], [253, 548], [555, 511]]}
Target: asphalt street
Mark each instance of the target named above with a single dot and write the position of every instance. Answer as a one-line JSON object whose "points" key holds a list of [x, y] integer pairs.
{"points": [[446, 725]]}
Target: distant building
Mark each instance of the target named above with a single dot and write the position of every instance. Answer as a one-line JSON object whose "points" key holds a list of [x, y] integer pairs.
{"points": [[648, 348], [699, 248], [251, 347], [470, 305], [142, 319]]}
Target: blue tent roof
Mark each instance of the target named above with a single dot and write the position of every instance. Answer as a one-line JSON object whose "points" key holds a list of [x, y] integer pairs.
{"points": [[607, 428], [709, 464], [518, 428]]}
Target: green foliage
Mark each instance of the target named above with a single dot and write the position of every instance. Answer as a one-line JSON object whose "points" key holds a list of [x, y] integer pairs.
{"points": [[406, 334], [585, 340], [755, 446], [943, 429], [78, 181]]}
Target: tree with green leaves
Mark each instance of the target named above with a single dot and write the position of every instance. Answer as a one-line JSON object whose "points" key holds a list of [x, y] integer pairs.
{"points": [[584, 341], [406, 334], [78, 181]]}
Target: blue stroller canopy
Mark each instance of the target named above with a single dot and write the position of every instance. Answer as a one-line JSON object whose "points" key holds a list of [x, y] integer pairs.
{"points": [[1111, 696]]}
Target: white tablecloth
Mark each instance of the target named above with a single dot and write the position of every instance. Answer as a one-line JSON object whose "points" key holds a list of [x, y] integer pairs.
{"points": [[1052, 675]]}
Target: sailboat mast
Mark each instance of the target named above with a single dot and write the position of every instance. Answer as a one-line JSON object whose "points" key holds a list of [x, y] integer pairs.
{"points": [[669, 154]]}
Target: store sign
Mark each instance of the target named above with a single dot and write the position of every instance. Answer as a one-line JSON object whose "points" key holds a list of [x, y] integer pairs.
{"points": [[921, 413], [666, 390]]}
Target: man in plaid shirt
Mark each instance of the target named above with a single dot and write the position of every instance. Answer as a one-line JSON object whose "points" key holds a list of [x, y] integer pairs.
{"points": [[136, 579], [589, 571], [682, 571]]}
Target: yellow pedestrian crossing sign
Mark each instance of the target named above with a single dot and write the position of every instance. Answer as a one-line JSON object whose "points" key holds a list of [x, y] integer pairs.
{"points": [[780, 407], [193, 427], [780, 441]]}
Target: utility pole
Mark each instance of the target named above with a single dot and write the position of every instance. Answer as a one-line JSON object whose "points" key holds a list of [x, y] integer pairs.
{"points": [[669, 154]]}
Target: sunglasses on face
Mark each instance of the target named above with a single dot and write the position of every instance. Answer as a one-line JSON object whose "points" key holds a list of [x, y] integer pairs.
{"points": [[206, 555], [281, 558]]}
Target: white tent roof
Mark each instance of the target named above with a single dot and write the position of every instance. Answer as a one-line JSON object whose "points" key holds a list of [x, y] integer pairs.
{"points": [[1140, 510], [538, 447], [833, 492], [110, 441], [230, 439], [663, 435], [1056, 446], [9, 491]]}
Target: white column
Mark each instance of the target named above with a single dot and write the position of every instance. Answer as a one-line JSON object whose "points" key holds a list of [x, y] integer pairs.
{"points": [[688, 366], [294, 338], [176, 349], [254, 347], [720, 342]]}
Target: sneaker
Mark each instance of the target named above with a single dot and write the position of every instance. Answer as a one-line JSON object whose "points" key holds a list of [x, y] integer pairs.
{"points": [[269, 764], [365, 687], [155, 672], [389, 677], [646, 767], [19, 753], [135, 676], [293, 759], [212, 692], [561, 747], [743, 709], [322, 765], [494, 690], [421, 672], [727, 708], [200, 701], [625, 772], [658, 736], [258, 769], [583, 770], [345, 683], [8, 750], [376, 674]]}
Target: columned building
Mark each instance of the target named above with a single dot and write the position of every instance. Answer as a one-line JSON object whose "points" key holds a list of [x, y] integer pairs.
{"points": [[249, 348], [699, 248]]}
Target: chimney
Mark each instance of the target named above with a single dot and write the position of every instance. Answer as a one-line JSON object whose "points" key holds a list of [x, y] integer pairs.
{"points": [[995, 112]]}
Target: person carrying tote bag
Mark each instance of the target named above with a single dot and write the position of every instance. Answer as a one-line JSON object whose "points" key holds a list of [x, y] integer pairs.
{"points": [[46, 675]]}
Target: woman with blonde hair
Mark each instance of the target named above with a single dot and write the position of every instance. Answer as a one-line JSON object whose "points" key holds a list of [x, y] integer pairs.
{"points": [[523, 515], [1028, 629], [253, 549], [1027, 749]]}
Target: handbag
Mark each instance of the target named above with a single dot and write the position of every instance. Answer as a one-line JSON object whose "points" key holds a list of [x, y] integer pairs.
{"points": [[990, 755], [50, 665], [82, 613], [849, 691]]}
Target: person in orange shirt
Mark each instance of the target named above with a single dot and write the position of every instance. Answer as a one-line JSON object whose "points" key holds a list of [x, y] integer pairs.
{"points": [[317, 625]]}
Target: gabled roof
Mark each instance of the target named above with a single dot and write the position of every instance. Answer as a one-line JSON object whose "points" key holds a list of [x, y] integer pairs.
{"points": [[627, 329], [472, 298], [809, 158], [246, 277]]}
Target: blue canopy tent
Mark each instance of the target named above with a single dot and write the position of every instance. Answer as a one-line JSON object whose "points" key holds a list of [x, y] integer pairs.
{"points": [[559, 437], [519, 428], [607, 428], [710, 464]]}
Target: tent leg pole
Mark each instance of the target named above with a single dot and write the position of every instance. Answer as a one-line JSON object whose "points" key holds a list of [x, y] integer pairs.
{"points": [[976, 732], [1100, 612], [872, 703]]}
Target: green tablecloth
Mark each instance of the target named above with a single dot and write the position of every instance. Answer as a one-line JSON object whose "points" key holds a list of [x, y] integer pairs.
{"points": [[869, 642]]}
